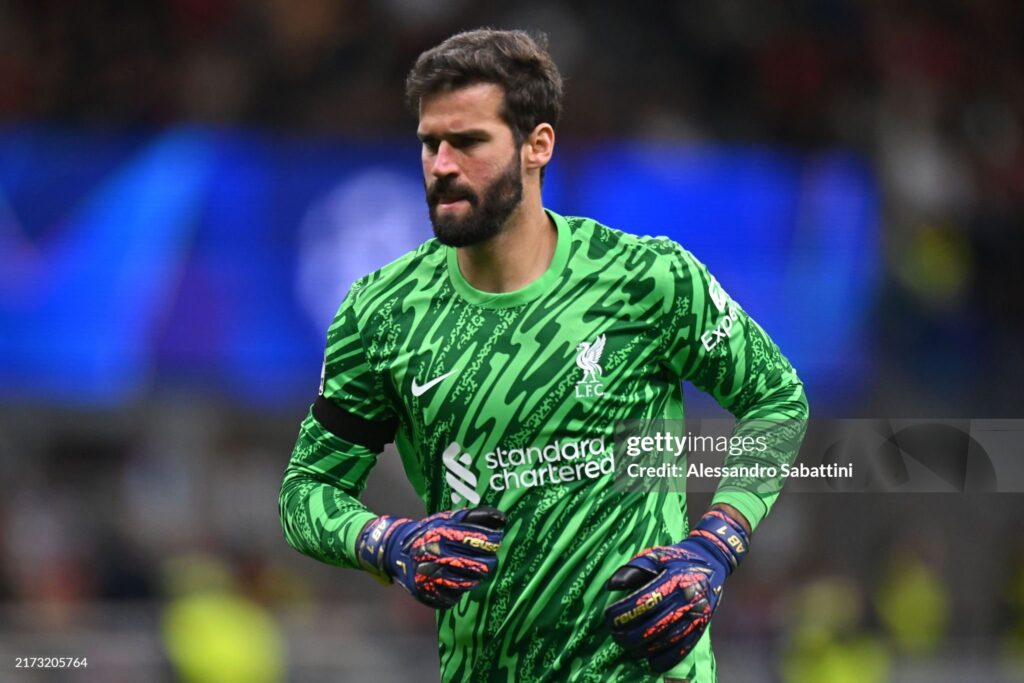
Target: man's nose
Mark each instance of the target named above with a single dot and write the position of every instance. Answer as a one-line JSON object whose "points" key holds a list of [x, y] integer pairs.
{"points": [[444, 161]]}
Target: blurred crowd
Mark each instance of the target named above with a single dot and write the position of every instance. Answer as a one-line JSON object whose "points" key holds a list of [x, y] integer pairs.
{"points": [[150, 543], [930, 93]]}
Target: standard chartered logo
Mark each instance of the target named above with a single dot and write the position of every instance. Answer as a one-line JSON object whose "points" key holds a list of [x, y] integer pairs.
{"points": [[459, 476], [519, 468]]}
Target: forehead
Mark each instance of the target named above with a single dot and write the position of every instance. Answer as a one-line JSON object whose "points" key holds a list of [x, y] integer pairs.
{"points": [[473, 106]]}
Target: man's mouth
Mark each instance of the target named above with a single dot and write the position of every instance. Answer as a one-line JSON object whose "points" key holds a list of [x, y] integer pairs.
{"points": [[446, 197], [451, 201]]}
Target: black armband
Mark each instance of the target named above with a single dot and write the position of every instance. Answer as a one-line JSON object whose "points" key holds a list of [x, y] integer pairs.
{"points": [[372, 434]]}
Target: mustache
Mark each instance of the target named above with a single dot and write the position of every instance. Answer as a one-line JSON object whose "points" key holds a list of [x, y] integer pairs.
{"points": [[445, 189]]}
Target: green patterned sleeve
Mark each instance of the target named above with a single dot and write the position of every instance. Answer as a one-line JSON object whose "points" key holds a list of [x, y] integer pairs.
{"points": [[716, 346], [321, 514]]}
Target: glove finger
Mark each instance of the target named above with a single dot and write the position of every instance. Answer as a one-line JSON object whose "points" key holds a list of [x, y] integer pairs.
{"points": [[447, 586], [692, 592], [435, 578], [635, 615], [629, 577], [484, 528], [642, 640], [482, 516], [470, 543], [464, 540], [431, 588], [640, 627], [468, 567], [443, 541], [440, 597], [681, 634], [642, 595]]}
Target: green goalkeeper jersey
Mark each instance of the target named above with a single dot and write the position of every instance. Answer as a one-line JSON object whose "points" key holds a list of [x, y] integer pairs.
{"points": [[510, 400]]}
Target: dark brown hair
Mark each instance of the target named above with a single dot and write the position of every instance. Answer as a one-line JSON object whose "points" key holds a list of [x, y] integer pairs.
{"points": [[514, 60]]}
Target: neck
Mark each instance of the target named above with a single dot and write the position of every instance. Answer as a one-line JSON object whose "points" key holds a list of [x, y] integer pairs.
{"points": [[517, 255]]}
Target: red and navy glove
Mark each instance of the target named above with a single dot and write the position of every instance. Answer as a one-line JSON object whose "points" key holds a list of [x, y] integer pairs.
{"points": [[437, 558], [674, 591]]}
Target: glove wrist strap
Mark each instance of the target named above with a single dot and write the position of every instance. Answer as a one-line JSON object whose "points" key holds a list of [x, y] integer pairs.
{"points": [[723, 535], [371, 548]]}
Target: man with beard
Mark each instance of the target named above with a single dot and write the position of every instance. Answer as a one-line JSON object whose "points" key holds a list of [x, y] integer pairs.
{"points": [[500, 358]]}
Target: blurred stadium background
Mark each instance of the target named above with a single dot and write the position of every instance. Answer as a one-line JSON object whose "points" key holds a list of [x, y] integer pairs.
{"points": [[187, 188]]}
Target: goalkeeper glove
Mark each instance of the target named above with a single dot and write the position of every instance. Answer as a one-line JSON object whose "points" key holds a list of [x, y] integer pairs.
{"points": [[437, 558], [674, 591]]}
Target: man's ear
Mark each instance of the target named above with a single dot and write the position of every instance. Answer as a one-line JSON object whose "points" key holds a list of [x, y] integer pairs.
{"points": [[539, 146]]}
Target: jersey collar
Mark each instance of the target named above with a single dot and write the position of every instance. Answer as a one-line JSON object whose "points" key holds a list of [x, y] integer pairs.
{"points": [[519, 296]]}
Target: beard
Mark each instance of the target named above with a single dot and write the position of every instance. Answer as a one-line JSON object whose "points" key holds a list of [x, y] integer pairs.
{"points": [[486, 215]]}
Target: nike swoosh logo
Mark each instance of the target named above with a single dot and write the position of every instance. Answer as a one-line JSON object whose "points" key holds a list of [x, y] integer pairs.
{"points": [[420, 389]]}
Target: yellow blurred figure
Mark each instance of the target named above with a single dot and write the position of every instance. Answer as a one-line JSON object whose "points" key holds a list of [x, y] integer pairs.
{"points": [[827, 642], [936, 265], [213, 634], [1013, 644], [913, 605]]}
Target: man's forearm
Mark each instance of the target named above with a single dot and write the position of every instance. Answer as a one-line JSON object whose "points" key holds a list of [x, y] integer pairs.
{"points": [[776, 421], [321, 521], [321, 514]]}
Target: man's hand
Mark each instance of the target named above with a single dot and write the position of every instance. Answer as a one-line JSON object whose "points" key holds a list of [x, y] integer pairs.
{"points": [[675, 590], [437, 558]]}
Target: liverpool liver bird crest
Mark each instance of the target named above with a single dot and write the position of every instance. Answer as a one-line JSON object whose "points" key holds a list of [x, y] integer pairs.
{"points": [[589, 358]]}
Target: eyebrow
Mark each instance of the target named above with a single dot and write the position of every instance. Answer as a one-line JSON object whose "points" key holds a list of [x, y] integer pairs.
{"points": [[471, 134]]}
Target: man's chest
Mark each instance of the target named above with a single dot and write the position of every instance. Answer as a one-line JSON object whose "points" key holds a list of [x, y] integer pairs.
{"points": [[520, 372]]}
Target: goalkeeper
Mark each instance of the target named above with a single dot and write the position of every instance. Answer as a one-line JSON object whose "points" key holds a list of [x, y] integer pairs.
{"points": [[499, 358]]}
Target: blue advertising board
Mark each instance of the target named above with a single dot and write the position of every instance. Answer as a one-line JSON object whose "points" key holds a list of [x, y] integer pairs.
{"points": [[213, 260]]}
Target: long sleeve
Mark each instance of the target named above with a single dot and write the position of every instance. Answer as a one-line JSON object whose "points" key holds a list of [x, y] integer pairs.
{"points": [[319, 503], [338, 444], [714, 344]]}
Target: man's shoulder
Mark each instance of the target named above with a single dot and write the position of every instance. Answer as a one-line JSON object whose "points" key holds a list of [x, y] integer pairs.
{"points": [[420, 266], [602, 240]]}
